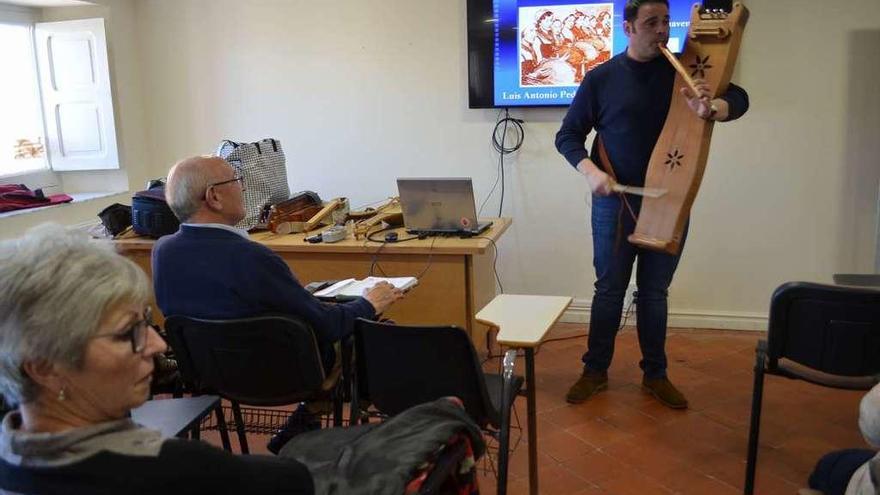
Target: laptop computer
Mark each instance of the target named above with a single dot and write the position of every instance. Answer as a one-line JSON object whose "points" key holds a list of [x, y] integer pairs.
{"points": [[439, 206]]}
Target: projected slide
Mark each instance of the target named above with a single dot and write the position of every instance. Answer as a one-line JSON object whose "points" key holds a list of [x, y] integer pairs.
{"points": [[558, 45], [544, 49]]}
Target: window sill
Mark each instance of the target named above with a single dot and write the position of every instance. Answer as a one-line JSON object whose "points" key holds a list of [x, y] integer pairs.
{"points": [[77, 199], [15, 177]]}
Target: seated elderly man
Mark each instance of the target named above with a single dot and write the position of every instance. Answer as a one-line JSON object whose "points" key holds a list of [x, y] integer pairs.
{"points": [[76, 354], [210, 269]]}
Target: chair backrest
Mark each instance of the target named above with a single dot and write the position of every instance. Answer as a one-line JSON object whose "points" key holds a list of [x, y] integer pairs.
{"points": [[265, 360], [832, 329], [402, 366]]}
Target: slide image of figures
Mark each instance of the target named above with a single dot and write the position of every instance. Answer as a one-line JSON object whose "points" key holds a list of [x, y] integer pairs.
{"points": [[559, 44]]}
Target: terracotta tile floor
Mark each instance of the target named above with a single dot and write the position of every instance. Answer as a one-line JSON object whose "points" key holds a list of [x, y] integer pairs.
{"points": [[624, 442]]}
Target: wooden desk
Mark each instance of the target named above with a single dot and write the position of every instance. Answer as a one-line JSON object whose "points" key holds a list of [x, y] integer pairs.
{"points": [[522, 322], [458, 276]]}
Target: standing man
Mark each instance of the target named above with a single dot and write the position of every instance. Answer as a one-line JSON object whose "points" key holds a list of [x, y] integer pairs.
{"points": [[626, 101]]}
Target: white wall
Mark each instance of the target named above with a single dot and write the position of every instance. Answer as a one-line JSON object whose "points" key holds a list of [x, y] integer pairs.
{"points": [[362, 92]]}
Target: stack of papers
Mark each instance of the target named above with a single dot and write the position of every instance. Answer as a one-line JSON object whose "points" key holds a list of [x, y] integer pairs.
{"points": [[355, 288]]}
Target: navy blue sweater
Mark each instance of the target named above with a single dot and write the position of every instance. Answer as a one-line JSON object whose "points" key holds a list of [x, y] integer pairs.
{"points": [[626, 102], [183, 467], [216, 274]]}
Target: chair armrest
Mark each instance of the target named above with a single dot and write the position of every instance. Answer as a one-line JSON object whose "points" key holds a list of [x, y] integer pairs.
{"points": [[791, 369]]}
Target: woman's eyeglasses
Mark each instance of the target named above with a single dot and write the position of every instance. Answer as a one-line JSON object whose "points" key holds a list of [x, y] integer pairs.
{"points": [[136, 333]]}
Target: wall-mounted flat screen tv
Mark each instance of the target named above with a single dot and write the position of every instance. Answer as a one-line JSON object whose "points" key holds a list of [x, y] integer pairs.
{"points": [[536, 52]]}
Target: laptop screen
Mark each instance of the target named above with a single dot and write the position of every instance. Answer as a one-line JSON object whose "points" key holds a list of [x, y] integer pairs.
{"points": [[438, 204]]}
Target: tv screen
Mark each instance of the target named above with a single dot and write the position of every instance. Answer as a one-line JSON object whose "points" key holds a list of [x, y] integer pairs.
{"points": [[536, 52]]}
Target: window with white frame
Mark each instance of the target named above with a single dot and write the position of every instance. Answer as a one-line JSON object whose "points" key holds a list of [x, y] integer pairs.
{"points": [[22, 143], [56, 108]]}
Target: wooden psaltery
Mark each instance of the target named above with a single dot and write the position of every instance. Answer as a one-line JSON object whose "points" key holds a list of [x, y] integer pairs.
{"points": [[679, 157], [304, 212], [390, 213]]}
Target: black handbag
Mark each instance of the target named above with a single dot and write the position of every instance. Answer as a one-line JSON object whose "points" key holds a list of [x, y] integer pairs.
{"points": [[116, 218]]}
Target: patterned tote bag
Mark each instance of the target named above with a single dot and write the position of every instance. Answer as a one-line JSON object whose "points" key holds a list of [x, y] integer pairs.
{"points": [[262, 166]]}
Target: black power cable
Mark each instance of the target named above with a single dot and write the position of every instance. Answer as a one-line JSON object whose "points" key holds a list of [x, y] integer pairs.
{"points": [[500, 145], [502, 126]]}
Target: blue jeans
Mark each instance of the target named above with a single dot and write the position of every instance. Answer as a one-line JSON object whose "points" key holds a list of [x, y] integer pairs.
{"points": [[613, 258]]}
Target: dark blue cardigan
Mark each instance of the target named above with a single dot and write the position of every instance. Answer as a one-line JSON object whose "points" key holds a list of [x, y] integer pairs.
{"points": [[215, 274]]}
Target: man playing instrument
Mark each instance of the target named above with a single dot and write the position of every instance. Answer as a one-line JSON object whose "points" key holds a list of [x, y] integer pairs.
{"points": [[626, 101]]}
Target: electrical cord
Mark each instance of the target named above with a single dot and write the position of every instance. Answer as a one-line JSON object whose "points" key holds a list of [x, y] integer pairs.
{"points": [[383, 241], [374, 264], [504, 124], [494, 261], [516, 126], [628, 311], [430, 258]]}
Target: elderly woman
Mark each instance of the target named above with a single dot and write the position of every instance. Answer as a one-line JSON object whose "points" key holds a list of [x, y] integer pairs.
{"points": [[76, 354]]}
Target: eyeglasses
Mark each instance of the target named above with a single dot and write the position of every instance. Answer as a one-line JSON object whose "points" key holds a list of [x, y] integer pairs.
{"points": [[238, 179], [136, 333]]}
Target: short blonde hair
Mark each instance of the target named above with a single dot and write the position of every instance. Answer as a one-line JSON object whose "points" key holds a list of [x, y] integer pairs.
{"points": [[56, 286]]}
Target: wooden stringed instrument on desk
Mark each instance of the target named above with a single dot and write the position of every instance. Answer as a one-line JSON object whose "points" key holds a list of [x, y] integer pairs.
{"points": [[679, 157], [303, 213], [366, 219]]}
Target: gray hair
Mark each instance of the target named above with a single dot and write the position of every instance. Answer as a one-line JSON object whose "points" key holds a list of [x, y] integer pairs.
{"points": [[56, 286], [187, 183]]}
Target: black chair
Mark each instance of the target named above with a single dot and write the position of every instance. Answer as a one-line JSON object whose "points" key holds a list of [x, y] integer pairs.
{"points": [[267, 361], [823, 334], [402, 366]]}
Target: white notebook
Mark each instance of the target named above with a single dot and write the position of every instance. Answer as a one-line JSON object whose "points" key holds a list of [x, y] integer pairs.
{"points": [[354, 288]]}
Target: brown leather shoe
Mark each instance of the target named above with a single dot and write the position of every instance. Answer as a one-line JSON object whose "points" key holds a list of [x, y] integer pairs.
{"points": [[588, 385], [664, 391]]}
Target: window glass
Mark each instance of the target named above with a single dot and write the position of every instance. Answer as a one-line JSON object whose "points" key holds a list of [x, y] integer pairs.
{"points": [[22, 145]]}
